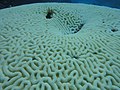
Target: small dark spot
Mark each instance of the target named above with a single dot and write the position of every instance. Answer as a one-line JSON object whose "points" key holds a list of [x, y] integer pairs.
{"points": [[76, 31], [80, 26], [114, 30], [72, 29], [94, 52], [65, 19], [33, 58], [57, 75], [76, 57], [49, 14], [9, 79]]}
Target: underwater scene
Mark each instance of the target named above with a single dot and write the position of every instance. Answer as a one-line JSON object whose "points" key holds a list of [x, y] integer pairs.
{"points": [[59, 44]]}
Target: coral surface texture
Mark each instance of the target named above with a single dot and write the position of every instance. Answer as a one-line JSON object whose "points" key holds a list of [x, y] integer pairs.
{"points": [[61, 46]]}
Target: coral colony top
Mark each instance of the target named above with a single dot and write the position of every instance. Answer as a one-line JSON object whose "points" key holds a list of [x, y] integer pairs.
{"points": [[55, 46]]}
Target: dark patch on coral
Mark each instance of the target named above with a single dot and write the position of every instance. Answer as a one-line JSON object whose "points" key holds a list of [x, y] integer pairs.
{"points": [[33, 58], [114, 30], [76, 57], [79, 28], [50, 13], [9, 79], [94, 52]]}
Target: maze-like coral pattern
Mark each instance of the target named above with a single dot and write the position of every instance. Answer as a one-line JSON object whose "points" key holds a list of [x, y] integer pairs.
{"points": [[59, 47]]}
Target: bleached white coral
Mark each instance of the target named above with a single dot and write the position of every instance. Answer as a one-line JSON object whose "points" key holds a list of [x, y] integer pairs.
{"points": [[59, 47]]}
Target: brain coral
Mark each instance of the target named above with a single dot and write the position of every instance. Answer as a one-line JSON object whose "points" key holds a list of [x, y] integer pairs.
{"points": [[59, 47]]}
